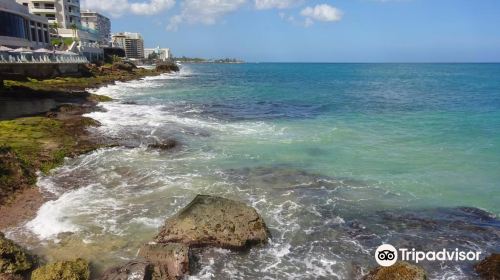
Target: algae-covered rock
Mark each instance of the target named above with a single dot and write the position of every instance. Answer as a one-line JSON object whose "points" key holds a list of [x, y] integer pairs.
{"points": [[489, 268], [215, 221], [169, 260], [13, 258], [64, 270], [398, 271]]}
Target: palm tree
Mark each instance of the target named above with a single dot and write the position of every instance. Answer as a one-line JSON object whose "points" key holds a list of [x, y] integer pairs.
{"points": [[74, 27], [55, 26]]}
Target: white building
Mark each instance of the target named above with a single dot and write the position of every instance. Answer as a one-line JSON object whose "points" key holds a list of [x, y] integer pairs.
{"points": [[19, 28], [132, 43], [163, 53], [65, 12], [101, 24]]}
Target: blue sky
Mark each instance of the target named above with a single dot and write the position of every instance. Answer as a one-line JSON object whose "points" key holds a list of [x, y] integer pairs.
{"points": [[315, 31]]}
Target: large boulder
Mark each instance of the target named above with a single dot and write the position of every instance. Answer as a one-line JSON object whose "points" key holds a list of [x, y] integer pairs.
{"points": [[134, 270], [215, 221], [170, 261], [489, 268], [13, 258], [65, 270], [398, 271]]}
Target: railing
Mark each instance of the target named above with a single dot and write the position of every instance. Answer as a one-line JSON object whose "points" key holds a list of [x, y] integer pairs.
{"points": [[41, 58]]}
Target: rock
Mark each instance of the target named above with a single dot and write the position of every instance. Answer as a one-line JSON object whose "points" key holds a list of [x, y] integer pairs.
{"points": [[64, 270], [165, 145], [169, 260], [13, 258], [215, 221], [398, 271], [134, 270], [123, 66], [167, 67], [489, 268], [10, 277]]}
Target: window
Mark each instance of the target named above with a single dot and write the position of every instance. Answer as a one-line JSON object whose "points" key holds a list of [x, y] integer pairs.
{"points": [[12, 25]]}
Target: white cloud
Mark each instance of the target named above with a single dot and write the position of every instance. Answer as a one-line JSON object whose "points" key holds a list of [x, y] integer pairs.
{"points": [[278, 4], [152, 7], [323, 12], [117, 8], [203, 11]]}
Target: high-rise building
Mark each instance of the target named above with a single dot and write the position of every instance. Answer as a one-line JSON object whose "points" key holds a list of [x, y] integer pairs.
{"points": [[99, 23], [19, 28], [132, 43], [66, 13]]}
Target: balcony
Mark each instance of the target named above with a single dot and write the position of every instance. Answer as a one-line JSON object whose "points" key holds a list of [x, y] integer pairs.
{"points": [[40, 10]]}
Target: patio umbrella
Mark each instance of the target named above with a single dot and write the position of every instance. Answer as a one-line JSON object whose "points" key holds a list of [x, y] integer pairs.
{"points": [[21, 50], [42, 51], [5, 49]]}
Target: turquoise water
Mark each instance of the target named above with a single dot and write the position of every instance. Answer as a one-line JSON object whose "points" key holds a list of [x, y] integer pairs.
{"points": [[338, 158]]}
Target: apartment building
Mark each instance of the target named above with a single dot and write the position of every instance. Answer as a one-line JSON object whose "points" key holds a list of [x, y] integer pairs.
{"points": [[162, 53], [66, 13], [99, 23], [19, 28], [132, 43]]}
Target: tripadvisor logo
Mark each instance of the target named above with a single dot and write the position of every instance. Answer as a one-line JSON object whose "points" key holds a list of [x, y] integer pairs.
{"points": [[387, 255]]}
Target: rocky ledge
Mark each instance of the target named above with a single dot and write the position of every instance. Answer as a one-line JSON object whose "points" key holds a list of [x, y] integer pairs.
{"points": [[207, 221], [489, 268], [399, 271]]}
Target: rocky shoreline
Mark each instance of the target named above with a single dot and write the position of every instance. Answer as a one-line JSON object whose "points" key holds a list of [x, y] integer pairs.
{"points": [[33, 140]]}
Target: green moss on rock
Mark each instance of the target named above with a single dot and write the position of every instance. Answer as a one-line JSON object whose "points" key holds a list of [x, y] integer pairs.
{"points": [[65, 270], [13, 258]]}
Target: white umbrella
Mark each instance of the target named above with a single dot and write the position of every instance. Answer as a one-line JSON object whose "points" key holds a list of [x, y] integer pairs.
{"points": [[42, 51], [21, 50], [5, 49]]}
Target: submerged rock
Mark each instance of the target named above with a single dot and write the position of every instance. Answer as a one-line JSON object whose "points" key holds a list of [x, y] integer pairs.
{"points": [[13, 258], [65, 270], [169, 260], [215, 221], [398, 271], [165, 145], [489, 268], [136, 270]]}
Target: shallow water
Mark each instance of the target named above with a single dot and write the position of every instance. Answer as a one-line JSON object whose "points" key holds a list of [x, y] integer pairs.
{"points": [[338, 159]]}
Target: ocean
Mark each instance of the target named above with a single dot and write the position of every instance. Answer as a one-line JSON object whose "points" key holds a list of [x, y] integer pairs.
{"points": [[337, 158]]}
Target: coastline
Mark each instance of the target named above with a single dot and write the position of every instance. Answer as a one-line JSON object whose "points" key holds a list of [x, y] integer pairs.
{"points": [[38, 138]]}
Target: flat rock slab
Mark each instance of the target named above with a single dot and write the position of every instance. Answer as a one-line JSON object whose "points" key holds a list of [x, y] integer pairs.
{"points": [[168, 259], [215, 221]]}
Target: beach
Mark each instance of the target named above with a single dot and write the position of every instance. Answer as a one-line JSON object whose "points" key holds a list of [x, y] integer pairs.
{"points": [[337, 158]]}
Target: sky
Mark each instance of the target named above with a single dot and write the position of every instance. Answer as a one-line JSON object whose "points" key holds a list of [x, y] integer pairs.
{"points": [[314, 31]]}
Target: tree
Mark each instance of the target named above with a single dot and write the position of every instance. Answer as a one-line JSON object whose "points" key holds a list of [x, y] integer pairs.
{"points": [[74, 27]]}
